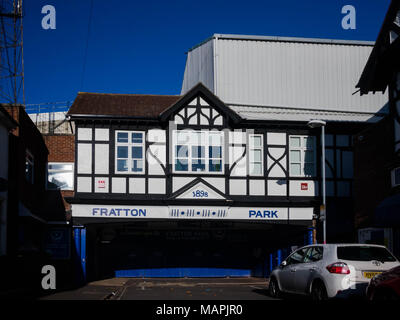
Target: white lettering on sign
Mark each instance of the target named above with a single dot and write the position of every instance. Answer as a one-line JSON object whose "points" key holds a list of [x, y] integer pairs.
{"points": [[304, 186]]}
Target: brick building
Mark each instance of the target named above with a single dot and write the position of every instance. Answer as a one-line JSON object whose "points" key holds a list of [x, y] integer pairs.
{"points": [[62, 154], [36, 230]]}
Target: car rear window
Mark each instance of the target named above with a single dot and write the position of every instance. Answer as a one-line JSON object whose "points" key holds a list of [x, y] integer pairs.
{"points": [[364, 253]]}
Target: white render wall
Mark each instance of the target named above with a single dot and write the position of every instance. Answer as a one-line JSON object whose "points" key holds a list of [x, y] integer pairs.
{"points": [[287, 73]]}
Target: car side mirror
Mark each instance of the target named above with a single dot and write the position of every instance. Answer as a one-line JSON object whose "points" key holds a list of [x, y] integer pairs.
{"points": [[283, 264]]}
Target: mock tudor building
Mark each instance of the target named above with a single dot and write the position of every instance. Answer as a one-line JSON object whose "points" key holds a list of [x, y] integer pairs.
{"points": [[210, 182]]}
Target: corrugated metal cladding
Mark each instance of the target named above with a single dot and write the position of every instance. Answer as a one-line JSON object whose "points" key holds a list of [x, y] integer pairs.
{"points": [[283, 114], [199, 67], [291, 73]]}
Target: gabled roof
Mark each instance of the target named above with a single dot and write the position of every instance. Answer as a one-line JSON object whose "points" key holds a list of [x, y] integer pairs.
{"points": [[201, 90], [139, 106], [121, 105]]}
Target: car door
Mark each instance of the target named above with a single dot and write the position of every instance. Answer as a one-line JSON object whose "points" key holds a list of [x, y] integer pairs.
{"points": [[307, 269], [287, 272]]}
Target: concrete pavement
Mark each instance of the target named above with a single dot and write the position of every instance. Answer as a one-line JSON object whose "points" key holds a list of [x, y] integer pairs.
{"points": [[169, 289]]}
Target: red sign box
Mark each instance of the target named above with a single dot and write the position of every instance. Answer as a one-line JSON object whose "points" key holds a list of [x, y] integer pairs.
{"points": [[304, 186]]}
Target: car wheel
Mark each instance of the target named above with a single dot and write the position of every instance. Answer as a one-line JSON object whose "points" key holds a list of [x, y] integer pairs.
{"points": [[273, 288], [318, 291]]}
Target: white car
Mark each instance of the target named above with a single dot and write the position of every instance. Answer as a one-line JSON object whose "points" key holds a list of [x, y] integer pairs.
{"points": [[330, 270]]}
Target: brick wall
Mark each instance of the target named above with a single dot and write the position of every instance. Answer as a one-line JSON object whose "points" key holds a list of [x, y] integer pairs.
{"points": [[62, 149]]}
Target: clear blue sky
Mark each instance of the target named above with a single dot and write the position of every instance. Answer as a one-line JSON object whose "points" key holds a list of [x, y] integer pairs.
{"points": [[139, 46]]}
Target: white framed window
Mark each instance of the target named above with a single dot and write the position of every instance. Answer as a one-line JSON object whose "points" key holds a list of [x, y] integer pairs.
{"points": [[60, 176], [29, 166], [302, 156], [395, 177], [256, 155], [198, 151], [129, 152]]}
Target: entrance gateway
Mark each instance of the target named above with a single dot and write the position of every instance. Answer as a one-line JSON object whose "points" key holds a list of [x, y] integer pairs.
{"points": [[184, 241], [183, 186]]}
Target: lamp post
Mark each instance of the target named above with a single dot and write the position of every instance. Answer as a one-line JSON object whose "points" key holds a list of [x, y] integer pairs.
{"points": [[322, 124]]}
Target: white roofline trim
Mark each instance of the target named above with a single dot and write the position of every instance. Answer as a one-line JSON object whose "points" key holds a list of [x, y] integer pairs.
{"points": [[284, 39]]}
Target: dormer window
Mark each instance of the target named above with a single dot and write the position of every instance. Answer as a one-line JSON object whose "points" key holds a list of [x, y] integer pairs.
{"points": [[198, 151]]}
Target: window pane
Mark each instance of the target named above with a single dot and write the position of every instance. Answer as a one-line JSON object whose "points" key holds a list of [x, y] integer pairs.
{"points": [[295, 169], [295, 156], [60, 166], [309, 169], [137, 137], [137, 165], [181, 165], [215, 139], [198, 138], [181, 151], [198, 165], [122, 152], [182, 137], [309, 142], [122, 165], [314, 254], [255, 141], [198, 152], [295, 142], [215, 165], [256, 155], [255, 168], [137, 152], [61, 181], [122, 137], [309, 156], [297, 257], [215, 152], [364, 253]]}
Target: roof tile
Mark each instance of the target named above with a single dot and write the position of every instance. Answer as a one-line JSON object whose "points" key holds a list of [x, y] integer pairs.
{"points": [[130, 105]]}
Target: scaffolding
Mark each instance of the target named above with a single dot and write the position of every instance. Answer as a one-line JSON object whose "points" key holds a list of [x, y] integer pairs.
{"points": [[11, 53], [50, 117]]}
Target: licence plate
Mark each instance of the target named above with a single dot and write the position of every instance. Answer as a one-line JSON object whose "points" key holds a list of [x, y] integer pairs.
{"points": [[370, 275]]}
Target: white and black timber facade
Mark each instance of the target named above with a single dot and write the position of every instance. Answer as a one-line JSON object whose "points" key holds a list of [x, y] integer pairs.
{"points": [[185, 186]]}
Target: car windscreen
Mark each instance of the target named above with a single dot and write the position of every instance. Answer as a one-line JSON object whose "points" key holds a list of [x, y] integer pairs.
{"points": [[364, 253]]}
